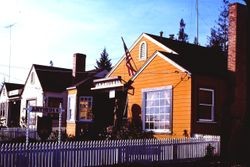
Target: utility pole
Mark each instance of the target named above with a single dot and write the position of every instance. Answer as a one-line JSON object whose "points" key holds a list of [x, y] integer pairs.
{"points": [[10, 26]]}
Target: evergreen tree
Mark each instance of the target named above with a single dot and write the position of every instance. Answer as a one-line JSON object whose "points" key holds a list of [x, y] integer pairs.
{"points": [[104, 62], [182, 36], [219, 33]]}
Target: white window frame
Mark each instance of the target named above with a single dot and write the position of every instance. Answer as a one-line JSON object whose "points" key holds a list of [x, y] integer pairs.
{"points": [[71, 108], [32, 77], [209, 105], [4, 91], [144, 91], [90, 98], [143, 57]]}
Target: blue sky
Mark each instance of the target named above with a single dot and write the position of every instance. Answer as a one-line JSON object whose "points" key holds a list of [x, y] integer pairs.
{"points": [[56, 29]]}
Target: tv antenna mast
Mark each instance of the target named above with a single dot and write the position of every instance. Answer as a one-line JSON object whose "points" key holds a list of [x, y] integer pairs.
{"points": [[10, 26], [197, 22]]}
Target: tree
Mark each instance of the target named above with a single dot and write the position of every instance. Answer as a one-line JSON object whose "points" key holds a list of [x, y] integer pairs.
{"points": [[104, 62], [219, 34], [182, 36]]}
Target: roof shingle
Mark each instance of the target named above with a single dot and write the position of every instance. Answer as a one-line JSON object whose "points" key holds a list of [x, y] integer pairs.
{"points": [[53, 79]]}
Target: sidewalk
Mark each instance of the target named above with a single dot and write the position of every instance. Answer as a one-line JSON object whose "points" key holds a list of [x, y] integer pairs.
{"points": [[183, 163]]}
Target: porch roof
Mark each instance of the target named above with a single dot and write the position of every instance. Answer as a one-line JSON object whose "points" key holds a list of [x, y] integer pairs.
{"points": [[108, 83]]}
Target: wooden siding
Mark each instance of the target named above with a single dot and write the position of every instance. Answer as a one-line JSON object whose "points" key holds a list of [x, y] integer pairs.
{"points": [[122, 70]]}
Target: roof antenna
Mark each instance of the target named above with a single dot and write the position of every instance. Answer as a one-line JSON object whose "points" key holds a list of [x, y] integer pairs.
{"points": [[197, 22], [10, 26]]}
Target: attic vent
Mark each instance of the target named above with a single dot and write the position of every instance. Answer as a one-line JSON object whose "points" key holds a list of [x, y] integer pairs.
{"points": [[32, 78], [143, 51]]}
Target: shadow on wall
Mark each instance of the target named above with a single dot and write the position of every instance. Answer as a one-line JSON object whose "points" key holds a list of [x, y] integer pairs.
{"points": [[136, 116]]}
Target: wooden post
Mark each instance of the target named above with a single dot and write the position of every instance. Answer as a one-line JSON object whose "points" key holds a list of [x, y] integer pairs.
{"points": [[27, 124], [60, 123]]}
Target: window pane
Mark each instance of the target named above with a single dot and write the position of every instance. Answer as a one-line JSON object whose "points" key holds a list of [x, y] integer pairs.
{"points": [[204, 112], [205, 97], [85, 108]]}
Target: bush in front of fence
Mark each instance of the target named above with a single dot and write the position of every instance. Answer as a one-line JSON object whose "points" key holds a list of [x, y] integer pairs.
{"points": [[111, 133]]}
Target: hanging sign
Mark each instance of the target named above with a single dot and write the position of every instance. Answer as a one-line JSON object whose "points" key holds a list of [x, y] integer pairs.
{"points": [[112, 94], [45, 109]]}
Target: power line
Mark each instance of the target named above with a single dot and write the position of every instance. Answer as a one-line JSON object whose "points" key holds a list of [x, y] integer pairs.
{"points": [[16, 67], [6, 75]]}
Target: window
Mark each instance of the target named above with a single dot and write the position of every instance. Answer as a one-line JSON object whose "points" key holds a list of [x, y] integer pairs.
{"points": [[2, 109], [69, 110], [33, 115], [143, 51], [71, 107], [32, 78], [85, 108], [206, 104], [157, 107]]}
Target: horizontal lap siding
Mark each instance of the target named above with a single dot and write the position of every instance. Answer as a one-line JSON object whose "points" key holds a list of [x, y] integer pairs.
{"points": [[160, 73]]}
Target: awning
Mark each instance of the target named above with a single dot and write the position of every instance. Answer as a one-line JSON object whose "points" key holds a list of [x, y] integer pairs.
{"points": [[108, 83]]}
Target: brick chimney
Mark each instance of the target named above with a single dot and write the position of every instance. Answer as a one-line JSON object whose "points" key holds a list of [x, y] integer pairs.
{"points": [[78, 64], [237, 56]]}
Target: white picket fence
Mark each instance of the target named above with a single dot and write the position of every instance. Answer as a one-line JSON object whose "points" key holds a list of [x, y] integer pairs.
{"points": [[103, 153]]}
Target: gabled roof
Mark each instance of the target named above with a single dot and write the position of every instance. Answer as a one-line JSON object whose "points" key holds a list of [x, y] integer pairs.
{"points": [[143, 35], [53, 79], [89, 76], [207, 63], [184, 48], [194, 58], [13, 86], [13, 89]]}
